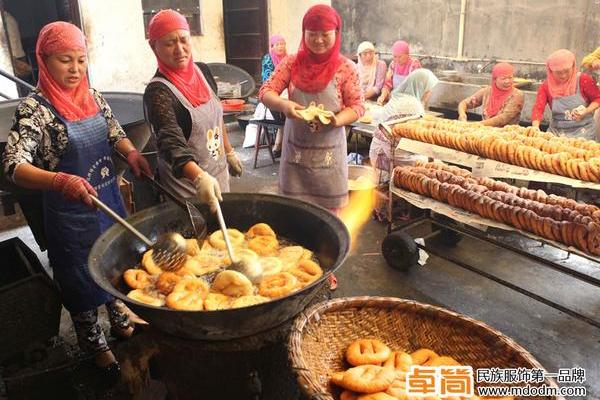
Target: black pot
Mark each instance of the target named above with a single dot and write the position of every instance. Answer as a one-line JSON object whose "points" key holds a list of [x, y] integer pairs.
{"points": [[306, 224]]}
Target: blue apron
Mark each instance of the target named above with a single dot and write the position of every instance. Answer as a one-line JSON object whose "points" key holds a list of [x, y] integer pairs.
{"points": [[72, 227]]}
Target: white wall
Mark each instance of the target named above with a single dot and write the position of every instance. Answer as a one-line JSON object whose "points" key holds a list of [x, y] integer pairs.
{"points": [[6, 86], [285, 18], [119, 55], [210, 47]]}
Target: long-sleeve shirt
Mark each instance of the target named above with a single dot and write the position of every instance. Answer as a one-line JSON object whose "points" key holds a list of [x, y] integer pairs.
{"points": [[587, 87], [40, 138], [389, 77], [590, 58], [346, 79], [380, 70], [510, 112], [171, 122], [267, 67]]}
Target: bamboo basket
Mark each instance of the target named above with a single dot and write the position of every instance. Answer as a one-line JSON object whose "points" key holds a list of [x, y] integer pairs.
{"points": [[321, 334]]}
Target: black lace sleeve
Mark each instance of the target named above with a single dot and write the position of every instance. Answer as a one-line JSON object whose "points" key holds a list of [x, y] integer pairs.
{"points": [[161, 110]]}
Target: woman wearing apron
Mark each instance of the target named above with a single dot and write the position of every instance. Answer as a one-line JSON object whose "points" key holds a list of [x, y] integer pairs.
{"points": [[572, 96], [313, 163], [186, 116], [61, 143], [400, 67]]}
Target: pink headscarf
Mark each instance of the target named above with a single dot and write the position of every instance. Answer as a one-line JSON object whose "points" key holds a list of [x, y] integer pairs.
{"points": [[73, 104], [272, 42], [559, 60], [398, 48], [188, 79], [312, 72], [498, 96]]}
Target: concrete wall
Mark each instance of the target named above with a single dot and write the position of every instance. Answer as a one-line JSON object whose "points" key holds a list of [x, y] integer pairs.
{"points": [[119, 56], [510, 29], [6, 86], [285, 18]]}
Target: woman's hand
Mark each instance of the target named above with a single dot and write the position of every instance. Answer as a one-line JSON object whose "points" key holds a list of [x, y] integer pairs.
{"points": [[234, 163], [74, 188], [596, 64], [138, 164], [578, 113], [208, 190], [290, 108], [381, 99], [462, 116]]}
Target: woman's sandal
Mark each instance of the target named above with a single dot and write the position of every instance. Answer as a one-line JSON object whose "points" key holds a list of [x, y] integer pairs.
{"points": [[107, 365], [122, 333]]}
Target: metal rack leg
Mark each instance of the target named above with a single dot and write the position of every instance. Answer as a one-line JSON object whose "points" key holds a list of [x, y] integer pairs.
{"points": [[512, 286]]}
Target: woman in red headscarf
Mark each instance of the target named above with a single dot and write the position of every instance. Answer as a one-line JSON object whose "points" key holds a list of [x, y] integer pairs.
{"points": [[400, 67], [186, 116], [502, 102], [572, 97], [313, 160], [61, 144]]}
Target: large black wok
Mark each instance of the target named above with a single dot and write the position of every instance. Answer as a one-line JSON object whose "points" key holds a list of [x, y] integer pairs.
{"points": [[310, 226]]}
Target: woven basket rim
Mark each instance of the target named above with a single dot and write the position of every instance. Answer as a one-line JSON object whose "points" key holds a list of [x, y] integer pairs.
{"points": [[310, 384]]}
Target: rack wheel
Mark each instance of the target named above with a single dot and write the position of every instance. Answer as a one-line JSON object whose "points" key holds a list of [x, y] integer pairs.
{"points": [[447, 237], [400, 250]]}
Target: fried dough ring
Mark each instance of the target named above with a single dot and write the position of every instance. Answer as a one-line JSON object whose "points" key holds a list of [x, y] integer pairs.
{"points": [[149, 264], [399, 360], [196, 285], [232, 283], [441, 361], [307, 271], [192, 247], [421, 356], [216, 301], [185, 300], [203, 264], [367, 351], [277, 285], [376, 396], [260, 229], [270, 265], [217, 241], [136, 278], [264, 245], [368, 379], [148, 298], [247, 301], [167, 281]]}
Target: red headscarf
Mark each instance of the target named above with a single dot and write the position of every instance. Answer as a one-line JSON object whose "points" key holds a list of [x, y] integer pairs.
{"points": [[73, 104], [272, 42], [498, 96], [188, 79], [312, 72], [401, 47], [559, 60]]}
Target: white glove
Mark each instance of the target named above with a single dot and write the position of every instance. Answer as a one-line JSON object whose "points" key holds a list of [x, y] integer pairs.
{"points": [[234, 164], [208, 190]]}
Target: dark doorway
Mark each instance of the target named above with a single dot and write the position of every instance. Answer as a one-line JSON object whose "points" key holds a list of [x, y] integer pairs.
{"points": [[23, 20], [246, 34]]}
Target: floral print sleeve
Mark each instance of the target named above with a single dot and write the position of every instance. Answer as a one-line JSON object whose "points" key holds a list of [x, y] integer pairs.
{"points": [[39, 137], [36, 137], [349, 87], [115, 131]]}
